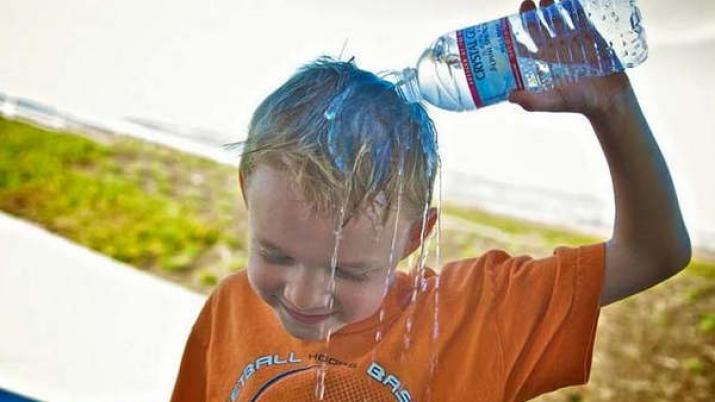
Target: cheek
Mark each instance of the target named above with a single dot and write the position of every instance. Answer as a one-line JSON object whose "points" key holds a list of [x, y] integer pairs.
{"points": [[265, 279], [360, 300]]}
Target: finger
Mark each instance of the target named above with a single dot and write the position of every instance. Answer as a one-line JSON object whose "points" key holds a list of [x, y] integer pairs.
{"points": [[591, 50], [530, 22], [553, 18], [577, 35], [521, 32], [575, 44], [590, 44], [560, 34], [542, 35], [581, 41], [548, 101], [578, 13], [526, 6]]}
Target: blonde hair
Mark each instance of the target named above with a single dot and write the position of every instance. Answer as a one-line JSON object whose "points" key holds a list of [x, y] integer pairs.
{"points": [[346, 138]]}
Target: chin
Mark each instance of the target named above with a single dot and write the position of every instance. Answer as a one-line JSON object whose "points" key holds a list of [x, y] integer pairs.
{"points": [[305, 335], [306, 332]]}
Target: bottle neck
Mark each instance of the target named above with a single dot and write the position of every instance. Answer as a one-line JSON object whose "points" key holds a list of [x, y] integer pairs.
{"points": [[407, 85]]}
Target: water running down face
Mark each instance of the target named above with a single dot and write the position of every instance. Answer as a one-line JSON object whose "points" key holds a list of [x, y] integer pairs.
{"points": [[290, 258]]}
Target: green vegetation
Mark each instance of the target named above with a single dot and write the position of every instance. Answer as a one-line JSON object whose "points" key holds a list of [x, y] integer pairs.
{"points": [[516, 227], [694, 365], [120, 199], [705, 269], [707, 322]]}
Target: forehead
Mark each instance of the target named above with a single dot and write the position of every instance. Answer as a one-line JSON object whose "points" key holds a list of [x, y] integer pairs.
{"points": [[280, 215]]}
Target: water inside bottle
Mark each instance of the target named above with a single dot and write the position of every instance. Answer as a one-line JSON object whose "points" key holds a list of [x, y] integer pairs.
{"points": [[552, 46]]}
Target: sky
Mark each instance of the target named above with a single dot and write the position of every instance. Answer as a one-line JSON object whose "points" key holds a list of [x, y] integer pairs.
{"points": [[209, 63]]}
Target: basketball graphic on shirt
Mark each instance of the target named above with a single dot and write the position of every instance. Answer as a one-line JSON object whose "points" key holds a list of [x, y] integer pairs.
{"points": [[342, 384]]}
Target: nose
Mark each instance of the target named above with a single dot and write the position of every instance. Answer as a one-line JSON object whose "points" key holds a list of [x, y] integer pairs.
{"points": [[309, 289]]}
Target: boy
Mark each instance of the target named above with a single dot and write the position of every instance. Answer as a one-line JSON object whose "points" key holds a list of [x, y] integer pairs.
{"points": [[336, 173]]}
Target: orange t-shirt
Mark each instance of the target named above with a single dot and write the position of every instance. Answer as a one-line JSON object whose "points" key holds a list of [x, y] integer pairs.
{"points": [[508, 329]]}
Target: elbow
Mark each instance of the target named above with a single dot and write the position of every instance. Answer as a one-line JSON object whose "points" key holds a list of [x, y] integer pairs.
{"points": [[672, 256], [685, 256], [681, 254]]}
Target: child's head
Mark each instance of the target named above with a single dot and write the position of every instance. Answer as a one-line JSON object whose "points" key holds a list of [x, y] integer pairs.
{"points": [[334, 147]]}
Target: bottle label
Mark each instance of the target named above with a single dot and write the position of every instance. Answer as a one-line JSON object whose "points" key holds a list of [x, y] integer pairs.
{"points": [[489, 61]]}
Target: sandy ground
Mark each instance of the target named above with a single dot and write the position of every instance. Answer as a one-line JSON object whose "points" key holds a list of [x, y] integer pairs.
{"points": [[78, 326]]}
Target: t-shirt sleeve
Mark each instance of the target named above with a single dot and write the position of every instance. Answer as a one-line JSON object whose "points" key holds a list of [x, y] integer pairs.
{"points": [[546, 314], [190, 383]]}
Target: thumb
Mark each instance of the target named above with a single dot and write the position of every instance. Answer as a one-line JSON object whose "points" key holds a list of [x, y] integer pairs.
{"points": [[548, 101]]}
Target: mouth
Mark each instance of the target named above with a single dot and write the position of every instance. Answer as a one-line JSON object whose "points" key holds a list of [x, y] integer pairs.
{"points": [[303, 317]]}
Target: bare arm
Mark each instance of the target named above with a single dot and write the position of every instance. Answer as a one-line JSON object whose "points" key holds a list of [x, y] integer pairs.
{"points": [[650, 242]]}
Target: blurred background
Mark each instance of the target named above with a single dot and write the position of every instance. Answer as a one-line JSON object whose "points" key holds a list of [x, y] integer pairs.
{"points": [[114, 113]]}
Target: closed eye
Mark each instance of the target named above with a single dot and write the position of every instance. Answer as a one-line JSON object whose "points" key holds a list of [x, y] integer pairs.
{"points": [[357, 277], [275, 258]]}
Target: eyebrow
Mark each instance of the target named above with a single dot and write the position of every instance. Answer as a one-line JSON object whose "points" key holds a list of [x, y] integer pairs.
{"points": [[356, 266]]}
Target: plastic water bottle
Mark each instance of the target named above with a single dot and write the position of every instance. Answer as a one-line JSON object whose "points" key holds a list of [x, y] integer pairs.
{"points": [[538, 50]]}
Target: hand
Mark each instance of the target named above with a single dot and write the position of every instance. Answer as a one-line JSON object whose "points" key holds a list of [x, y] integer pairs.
{"points": [[590, 96]]}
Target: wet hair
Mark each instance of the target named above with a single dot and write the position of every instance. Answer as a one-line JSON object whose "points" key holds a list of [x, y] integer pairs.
{"points": [[346, 139]]}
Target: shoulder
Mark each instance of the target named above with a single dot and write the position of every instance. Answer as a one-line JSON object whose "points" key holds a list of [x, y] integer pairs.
{"points": [[236, 282], [499, 270], [473, 278], [495, 259], [478, 268], [486, 261], [233, 291]]}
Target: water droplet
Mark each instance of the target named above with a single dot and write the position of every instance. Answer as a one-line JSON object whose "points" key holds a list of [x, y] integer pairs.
{"points": [[337, 103], [391, 258], [636, 19], [320, 383], [324, 330]]}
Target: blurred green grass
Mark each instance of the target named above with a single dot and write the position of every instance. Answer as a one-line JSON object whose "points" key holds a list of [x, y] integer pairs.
{"points": [[117, 199], [518, 227]]}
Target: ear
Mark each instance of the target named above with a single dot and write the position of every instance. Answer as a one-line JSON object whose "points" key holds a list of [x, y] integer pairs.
{"points": [[242, 182], [417, 236]]}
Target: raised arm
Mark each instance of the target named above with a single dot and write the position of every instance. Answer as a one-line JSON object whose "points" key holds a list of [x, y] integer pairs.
{"points": [[650, 242]]}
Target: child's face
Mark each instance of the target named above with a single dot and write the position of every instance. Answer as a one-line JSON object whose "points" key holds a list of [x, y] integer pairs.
{"points": [[290, 259]]}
